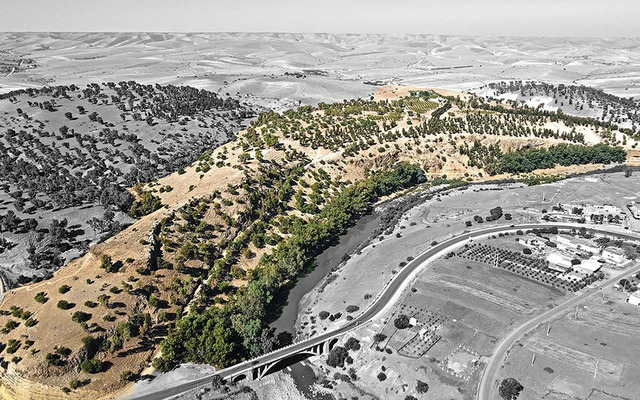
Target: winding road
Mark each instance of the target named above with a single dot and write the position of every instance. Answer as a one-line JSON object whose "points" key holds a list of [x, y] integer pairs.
{"points": [[388, 297]]}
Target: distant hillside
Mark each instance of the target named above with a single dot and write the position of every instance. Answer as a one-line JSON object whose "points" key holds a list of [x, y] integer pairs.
{"points": [[68, 155]]}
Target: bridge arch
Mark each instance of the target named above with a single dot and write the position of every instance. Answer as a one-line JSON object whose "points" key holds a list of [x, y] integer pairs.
{"points": [[239, 377], [286, 362]]}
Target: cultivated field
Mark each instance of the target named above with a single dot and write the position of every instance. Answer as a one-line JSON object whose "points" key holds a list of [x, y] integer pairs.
{"points": [[586, 355]]}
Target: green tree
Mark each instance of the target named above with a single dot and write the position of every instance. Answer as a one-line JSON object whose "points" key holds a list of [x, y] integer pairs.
{"points": [[510, 389]]}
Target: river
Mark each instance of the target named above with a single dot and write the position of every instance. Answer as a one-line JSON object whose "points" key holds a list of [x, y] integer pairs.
{"points": [[325, 262]]}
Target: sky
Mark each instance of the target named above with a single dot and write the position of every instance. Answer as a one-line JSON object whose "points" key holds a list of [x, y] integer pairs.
{"points": [[581, 18]]}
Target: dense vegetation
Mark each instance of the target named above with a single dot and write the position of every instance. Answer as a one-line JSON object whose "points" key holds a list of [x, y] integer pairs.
{"points": [[494, 161], [222, 336]]}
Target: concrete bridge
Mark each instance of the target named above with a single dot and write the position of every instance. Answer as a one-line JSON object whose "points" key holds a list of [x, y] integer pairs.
{"points": [[257, 368]]}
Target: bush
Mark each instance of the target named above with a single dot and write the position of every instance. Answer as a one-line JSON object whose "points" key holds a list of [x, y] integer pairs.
{"points": [[379, 337], [106, 263], [64, 289], [401, 322], [382, 376], [64, 305], [127, 376], [147, 204], [336, 357], [41, 297], [12, 346], [54, 359], [162, 364], [352, 308], [323, 315], [422, 387], [92, 366], [352, 344], [510, 389], [80, 317]]}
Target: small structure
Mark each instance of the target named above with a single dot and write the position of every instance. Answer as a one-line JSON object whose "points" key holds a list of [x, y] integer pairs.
{"points": [[413, 321], [559, 262], [634, 207], [613, 254], [634, 299]]}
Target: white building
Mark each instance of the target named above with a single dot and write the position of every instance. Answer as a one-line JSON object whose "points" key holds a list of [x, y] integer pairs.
{"points": [[559, 262], [589, 267], [565, 242], [613, 254], [634, 207], [634, 299]]}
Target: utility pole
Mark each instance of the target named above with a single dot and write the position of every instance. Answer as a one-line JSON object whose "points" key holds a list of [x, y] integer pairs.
{"points": [[533, 358], [548, 328], [595, 372]]}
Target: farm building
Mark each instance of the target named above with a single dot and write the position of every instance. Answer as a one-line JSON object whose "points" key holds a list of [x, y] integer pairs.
{"points": [[634, 299], [588, 267], [634, 207], [565, 242], [559, 262], [613, 254]]}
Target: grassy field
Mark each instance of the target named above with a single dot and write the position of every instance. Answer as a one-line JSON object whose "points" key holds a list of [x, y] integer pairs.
{"points": [[580, 358]]}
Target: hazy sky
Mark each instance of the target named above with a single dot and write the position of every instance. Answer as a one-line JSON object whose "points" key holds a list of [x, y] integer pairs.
{"points": [[454, 17]]}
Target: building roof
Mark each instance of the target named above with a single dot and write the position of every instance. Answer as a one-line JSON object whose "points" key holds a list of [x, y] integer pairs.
{"points": [[590, 265], [577, 242], [634, 295], [614, 250], [559, 259]]}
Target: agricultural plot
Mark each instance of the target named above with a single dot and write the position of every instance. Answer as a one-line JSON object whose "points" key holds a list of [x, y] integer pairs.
{"points": [[529, 267], [575, 358], [416, 340], [621, 323], [421, 106], [586, 354], [461, 307], [462, 363]]}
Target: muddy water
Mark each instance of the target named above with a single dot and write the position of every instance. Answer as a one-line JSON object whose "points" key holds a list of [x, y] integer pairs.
{"points": [[329, 259]]}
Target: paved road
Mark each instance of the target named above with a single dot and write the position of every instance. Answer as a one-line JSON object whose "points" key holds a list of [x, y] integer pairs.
{"points": [[386, 299]]}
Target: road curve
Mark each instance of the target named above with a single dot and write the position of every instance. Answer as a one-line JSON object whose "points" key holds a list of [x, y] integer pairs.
{"points": [[386, 299]]}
